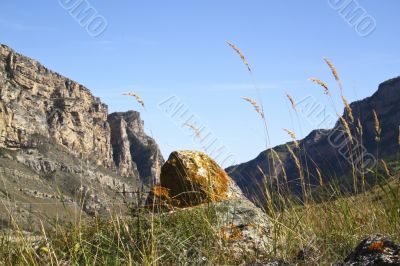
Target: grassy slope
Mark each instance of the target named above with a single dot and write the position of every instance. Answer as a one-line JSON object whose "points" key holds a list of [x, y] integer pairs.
{"points": [[315, 233]]}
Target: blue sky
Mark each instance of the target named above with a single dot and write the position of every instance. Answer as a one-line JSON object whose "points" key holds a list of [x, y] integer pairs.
{"points": [[164, 48]]}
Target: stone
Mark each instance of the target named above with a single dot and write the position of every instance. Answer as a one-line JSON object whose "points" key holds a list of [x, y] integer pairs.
{"points": [[374, 250], [193, 178], [243, 227], [160, 200]]}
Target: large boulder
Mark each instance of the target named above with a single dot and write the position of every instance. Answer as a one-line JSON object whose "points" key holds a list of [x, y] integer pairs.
{"points": [[191, 181], [193, 178]]}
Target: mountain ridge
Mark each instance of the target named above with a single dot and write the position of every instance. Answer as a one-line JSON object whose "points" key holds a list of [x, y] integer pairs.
{"points": [[318, 151], [57, 146]]}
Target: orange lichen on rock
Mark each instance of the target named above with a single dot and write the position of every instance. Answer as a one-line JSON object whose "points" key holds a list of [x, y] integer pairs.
{"points": [[160, 191], [160, 199], [231, 233], [377, 246]]}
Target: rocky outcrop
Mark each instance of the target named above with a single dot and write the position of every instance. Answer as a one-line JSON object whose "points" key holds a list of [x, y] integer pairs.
{"points": [[59, 146], [374, 250], [37, 101], [134, 151], [34, 100], [191, 180], [327, 150]]}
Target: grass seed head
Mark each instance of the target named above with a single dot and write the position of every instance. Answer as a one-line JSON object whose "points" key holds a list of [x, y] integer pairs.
{"points": [[292, 136], [347, 128], [291, 101], [360, 128], [255, 105], [322, 84], [335, 73], [377, 127], [348, 109], [137, 97], [240, 53], [195, 129]]}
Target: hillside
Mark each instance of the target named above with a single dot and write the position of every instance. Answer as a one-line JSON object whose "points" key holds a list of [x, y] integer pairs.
{"points": [[60, 147], [331, 152]]}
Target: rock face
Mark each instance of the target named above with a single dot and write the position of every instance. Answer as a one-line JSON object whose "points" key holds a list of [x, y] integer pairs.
{"points": [[35, 100], [190, 179], [374, 250], [59, 144], [326, 150], [134, 151]]}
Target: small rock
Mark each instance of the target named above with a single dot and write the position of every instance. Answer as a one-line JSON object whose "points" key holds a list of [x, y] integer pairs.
{"points": [[374, 250]]}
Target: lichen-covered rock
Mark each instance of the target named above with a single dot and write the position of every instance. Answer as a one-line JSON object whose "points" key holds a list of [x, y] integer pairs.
{"points": [[189, 179], [193, 178], [374, 250], [160, 200], [243, 227]]}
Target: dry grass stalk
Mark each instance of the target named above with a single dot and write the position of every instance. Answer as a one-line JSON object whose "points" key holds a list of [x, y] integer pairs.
{"points": [[195, 129], [360, 128], [347, 128], [322, 84], [267, 192], [137, 97], [255, 105], [281, 164], [296, 159], [321, 180], [348, 109], [239, 52], [386, 168], [292, 136], [298, 166], [335, 73], [291, 101], [377, 127], [398, 138]]}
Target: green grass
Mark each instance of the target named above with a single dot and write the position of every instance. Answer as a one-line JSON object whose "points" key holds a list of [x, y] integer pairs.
{"points": [[183, 238], [319, 233]]}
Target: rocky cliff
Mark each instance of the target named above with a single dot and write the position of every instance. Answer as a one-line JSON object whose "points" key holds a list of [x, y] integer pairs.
{"points": [[134, 151], [39, 107], [331, 152]]}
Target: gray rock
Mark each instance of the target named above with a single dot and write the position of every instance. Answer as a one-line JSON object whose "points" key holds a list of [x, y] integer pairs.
{"points": [[134, 151], [244, 227], [374, 250]]}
